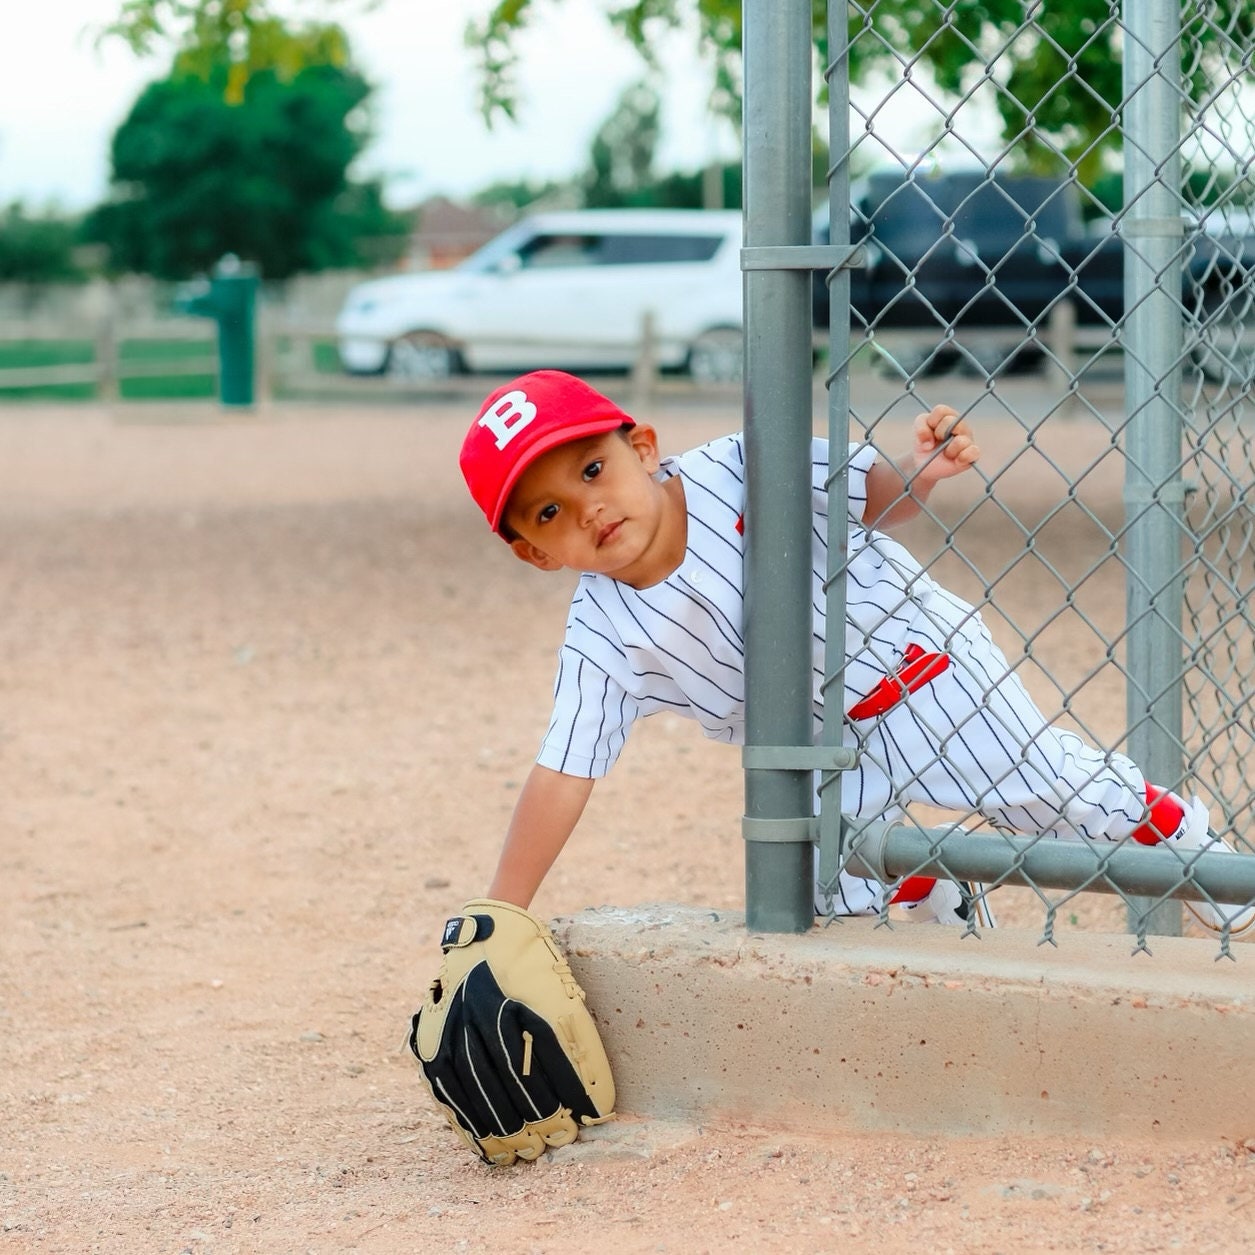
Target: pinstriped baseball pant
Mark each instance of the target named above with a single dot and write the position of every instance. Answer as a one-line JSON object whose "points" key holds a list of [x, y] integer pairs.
{"points": [[973, 741]]}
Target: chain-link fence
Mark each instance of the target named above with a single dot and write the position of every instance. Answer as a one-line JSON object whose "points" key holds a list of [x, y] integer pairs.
{"points": [[1060, 195]]}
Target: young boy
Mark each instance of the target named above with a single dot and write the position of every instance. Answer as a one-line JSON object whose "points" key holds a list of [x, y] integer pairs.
{"points": [[569, 480]]}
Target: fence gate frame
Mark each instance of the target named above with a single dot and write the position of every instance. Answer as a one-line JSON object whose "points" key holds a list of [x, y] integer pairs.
{"points": [[780, 758]]}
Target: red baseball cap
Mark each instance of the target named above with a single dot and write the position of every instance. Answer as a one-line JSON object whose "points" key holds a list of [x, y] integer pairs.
{"points": [[523, 419]]}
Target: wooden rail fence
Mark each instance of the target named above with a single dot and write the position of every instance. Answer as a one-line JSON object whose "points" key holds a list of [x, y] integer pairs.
{"points": [[287, 349]]}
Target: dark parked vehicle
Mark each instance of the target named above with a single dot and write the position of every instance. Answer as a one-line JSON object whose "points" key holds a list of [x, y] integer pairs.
{"points": [[977, 253]]}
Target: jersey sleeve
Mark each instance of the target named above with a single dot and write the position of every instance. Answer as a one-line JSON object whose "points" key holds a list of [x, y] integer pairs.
{"points": [[859, 461], [592, 711]]}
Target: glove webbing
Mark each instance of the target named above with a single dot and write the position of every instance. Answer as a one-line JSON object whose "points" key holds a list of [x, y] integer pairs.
{"points": [[485, 1083]]}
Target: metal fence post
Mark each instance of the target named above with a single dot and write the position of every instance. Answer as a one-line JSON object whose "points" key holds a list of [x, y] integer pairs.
{"points": [[831, 824], [1154, 342], [779, 803], [107, 348], [645, 367], [267, 337]]}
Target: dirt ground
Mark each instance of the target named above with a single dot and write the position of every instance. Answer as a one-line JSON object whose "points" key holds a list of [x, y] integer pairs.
{"points": [[267, 691]]}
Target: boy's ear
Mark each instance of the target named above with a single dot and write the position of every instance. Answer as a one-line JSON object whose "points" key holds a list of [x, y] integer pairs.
{"points": [[644, 439], [525, 551]]}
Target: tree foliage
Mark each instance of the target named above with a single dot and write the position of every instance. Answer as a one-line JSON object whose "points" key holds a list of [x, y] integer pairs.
{"points": [[37, 249], [622, 170], [1055, 64], [196, 177], [246, 36], [621, 157], [641, 22], [244, 147]]}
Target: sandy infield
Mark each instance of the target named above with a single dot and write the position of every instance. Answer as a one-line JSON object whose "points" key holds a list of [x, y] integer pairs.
{"points": [[267, 692]]}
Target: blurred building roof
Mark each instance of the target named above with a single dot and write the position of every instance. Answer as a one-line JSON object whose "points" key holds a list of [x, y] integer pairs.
{"points": [[447, 231]]}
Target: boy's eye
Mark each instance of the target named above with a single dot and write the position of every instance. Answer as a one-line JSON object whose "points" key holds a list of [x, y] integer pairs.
{"points": [[548, 513], [593, 469]]}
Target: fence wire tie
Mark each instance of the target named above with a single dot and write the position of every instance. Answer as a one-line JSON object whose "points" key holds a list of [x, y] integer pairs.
{"points": [[798, 758], [799, 830], [1153, 228], [1165, 494], [802, 829]]}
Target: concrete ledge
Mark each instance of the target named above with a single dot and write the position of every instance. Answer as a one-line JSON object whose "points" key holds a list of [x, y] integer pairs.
{"points": [[917, 1030]]}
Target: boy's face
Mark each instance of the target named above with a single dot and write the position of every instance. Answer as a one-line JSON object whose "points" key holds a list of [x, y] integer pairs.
{"points": [[593, 505]]}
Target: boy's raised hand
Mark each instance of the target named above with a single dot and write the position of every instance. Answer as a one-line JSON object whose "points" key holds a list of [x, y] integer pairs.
{"points": [[944, 445]]}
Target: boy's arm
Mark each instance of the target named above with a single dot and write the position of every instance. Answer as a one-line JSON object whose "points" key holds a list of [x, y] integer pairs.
{"points": [[547, 811], [944, 446]]}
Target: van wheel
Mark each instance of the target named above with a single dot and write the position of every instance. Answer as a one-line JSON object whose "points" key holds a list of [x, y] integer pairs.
{"points": [[717, 356], [423, 355]]}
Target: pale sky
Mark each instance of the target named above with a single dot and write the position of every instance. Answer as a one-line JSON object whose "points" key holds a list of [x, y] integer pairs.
{"points": [[61, 99]]}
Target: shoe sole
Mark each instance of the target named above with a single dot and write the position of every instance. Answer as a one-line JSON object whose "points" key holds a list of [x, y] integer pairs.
{"points": [[1241, 918], [1238, 928]]}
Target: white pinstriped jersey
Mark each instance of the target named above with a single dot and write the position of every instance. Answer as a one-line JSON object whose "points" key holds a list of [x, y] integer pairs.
{"points": [[679, 645], [972, 740]]}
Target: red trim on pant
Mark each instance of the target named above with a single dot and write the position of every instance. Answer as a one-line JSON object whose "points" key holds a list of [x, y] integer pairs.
{"points": [[913, 889], [918, 667]]}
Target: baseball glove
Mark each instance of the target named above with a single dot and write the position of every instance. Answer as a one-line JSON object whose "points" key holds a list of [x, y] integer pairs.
{"points": [[507, 1047]]}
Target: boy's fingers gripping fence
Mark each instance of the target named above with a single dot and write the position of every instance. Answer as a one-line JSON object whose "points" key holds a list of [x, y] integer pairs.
{"points": [[508, 1048]]}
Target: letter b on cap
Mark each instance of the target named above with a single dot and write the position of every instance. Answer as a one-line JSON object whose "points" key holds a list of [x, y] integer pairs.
{"points": [[507, 416]]}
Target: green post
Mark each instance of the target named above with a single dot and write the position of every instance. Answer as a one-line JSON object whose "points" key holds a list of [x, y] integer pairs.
{"points": [[233, 292], [230, 299]]}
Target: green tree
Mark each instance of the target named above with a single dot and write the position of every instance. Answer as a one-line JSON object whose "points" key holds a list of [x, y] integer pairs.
{"points": [[245, 146], [690, 189], [245, 36], [1056, 64], [37, 249], [195, 176], [621, 158], [621, 169]]}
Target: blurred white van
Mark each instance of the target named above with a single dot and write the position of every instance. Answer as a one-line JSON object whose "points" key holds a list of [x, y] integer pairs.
{"points": [[568, 290]]}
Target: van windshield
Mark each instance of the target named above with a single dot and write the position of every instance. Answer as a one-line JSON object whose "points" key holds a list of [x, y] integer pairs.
{"points": [[489, 255], [602, 248]]}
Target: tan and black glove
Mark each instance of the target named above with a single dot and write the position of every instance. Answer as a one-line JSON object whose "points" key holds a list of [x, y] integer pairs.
{"points": [[508, 1048]]}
